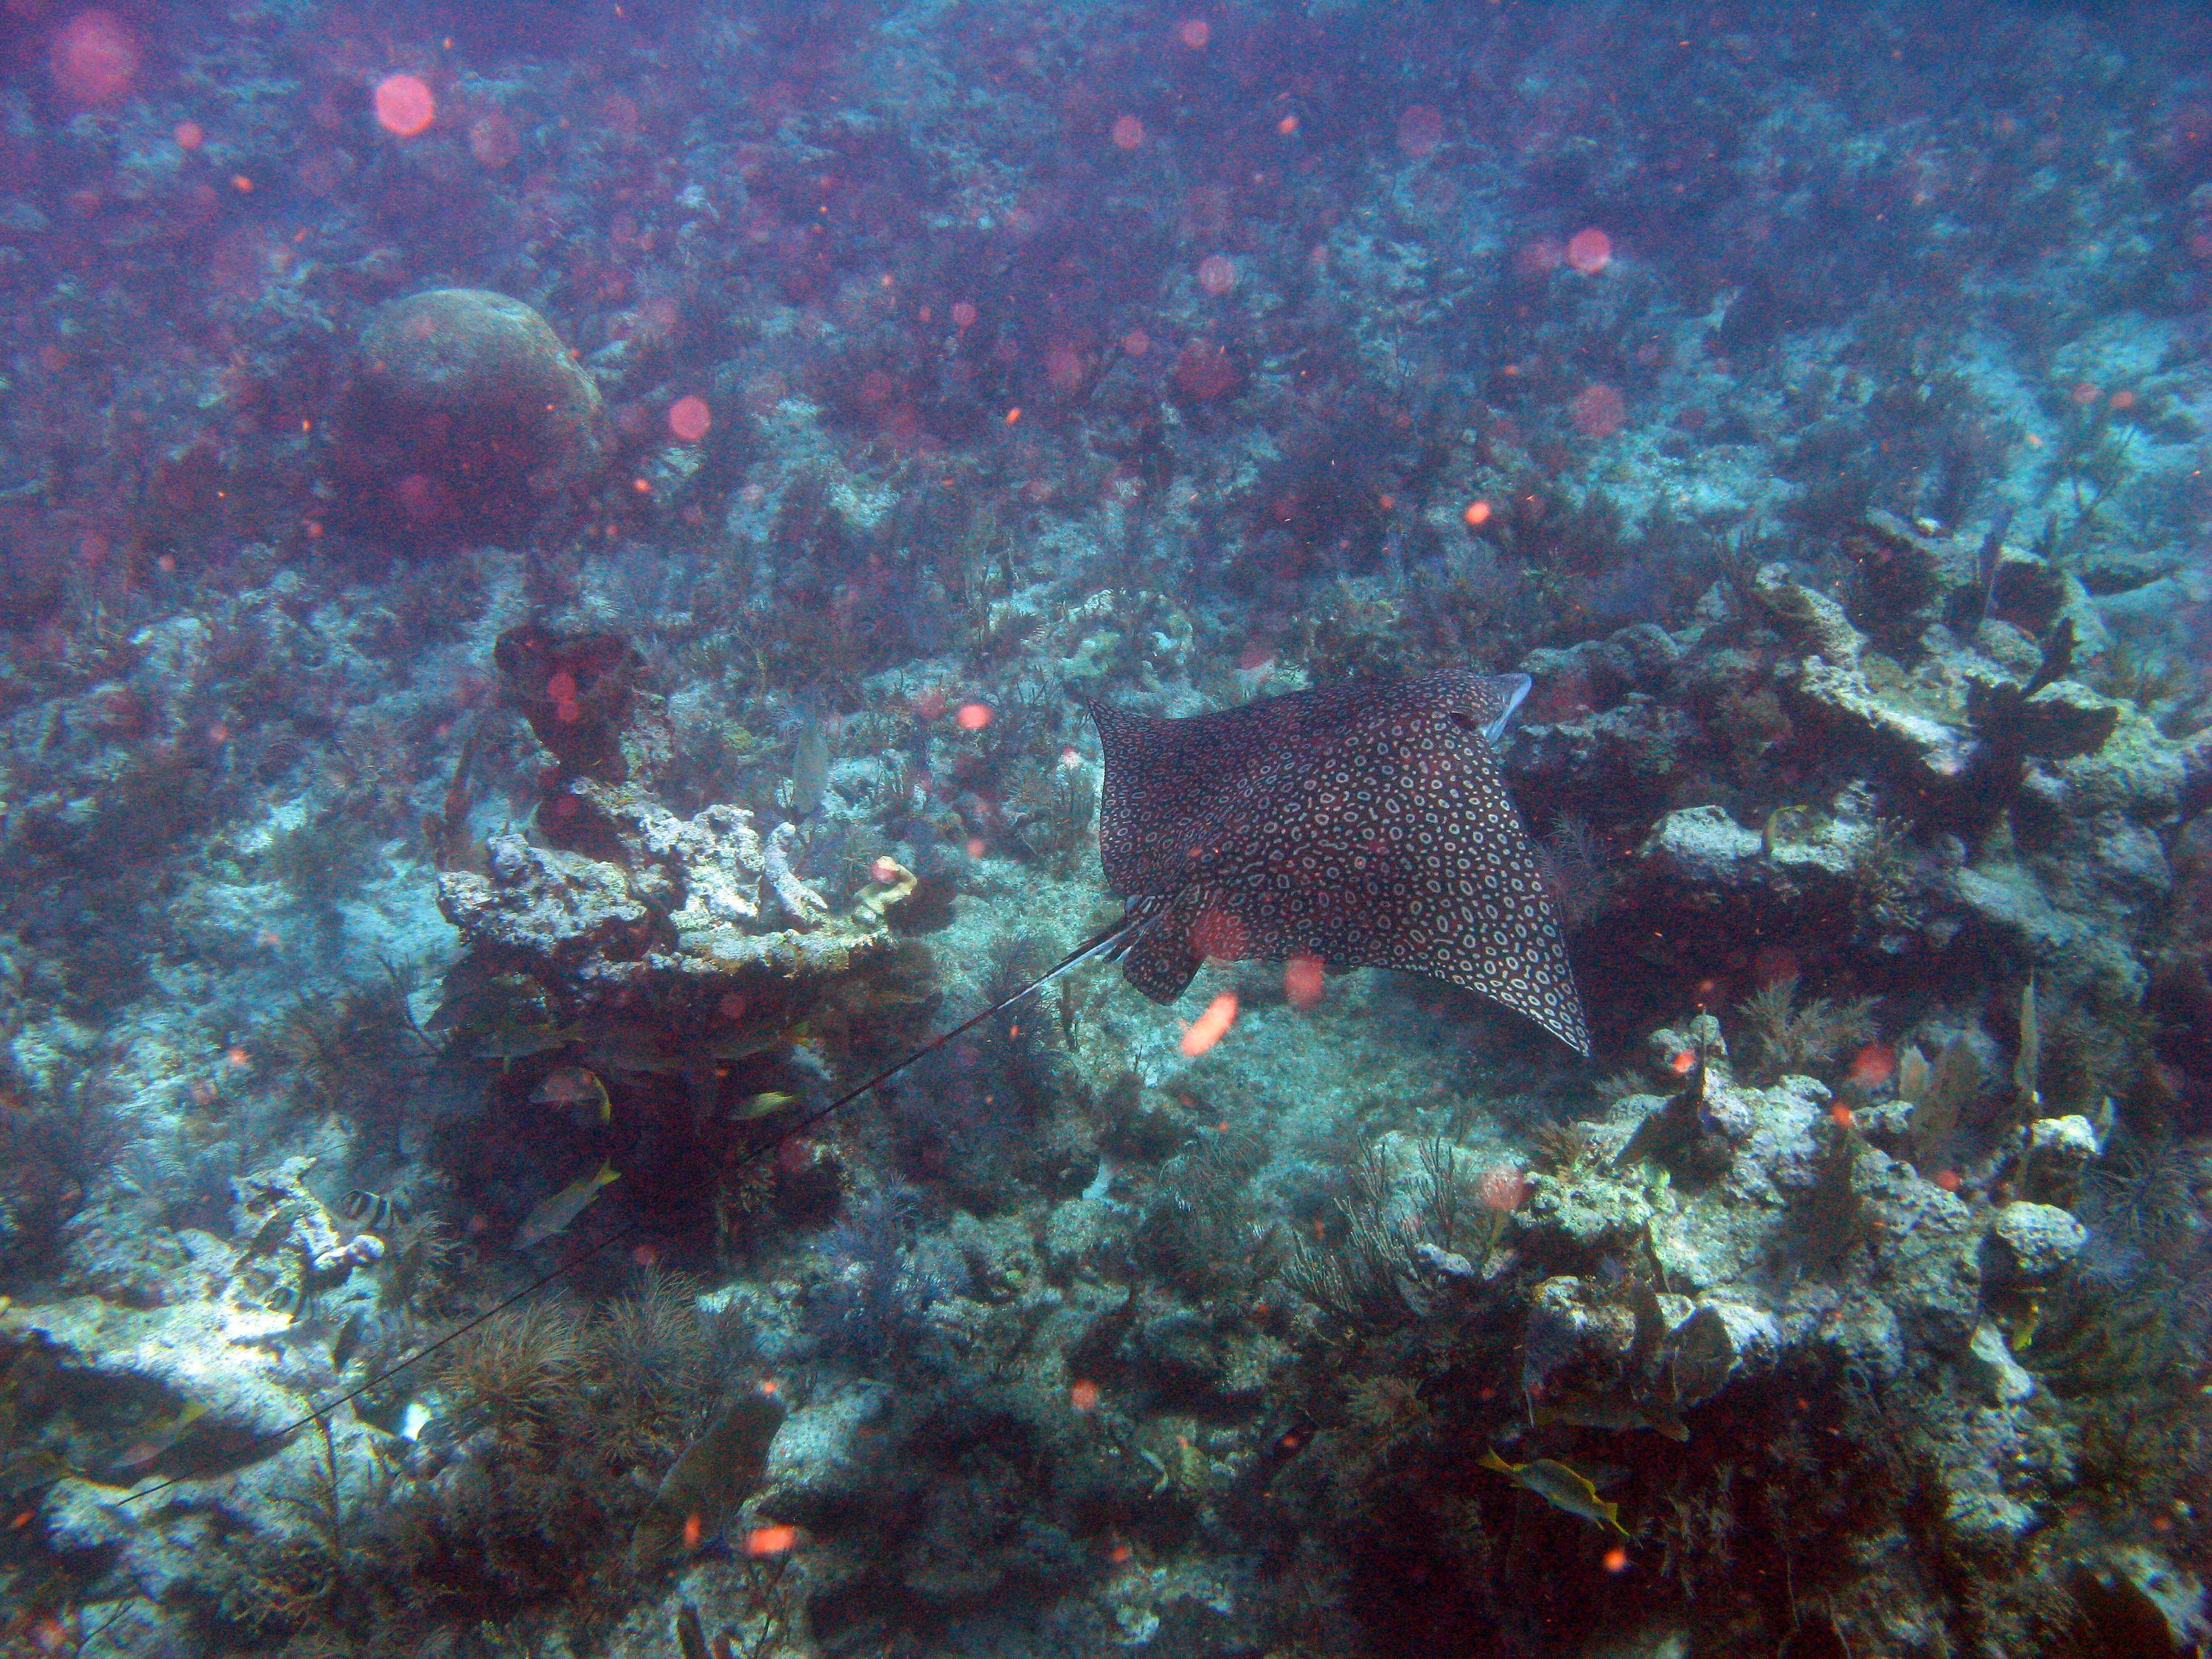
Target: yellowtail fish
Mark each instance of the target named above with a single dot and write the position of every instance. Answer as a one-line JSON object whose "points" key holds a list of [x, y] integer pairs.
{"points": [[765, 1105], [579, 1092], [161, 1438], [1561, 1487], [554, 1215]]}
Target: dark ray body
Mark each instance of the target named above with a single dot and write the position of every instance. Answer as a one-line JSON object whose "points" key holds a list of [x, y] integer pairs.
{"points": [[1366, 824]]}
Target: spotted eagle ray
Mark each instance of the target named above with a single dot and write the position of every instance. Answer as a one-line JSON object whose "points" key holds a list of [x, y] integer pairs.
{"points": [[1365, 824]]}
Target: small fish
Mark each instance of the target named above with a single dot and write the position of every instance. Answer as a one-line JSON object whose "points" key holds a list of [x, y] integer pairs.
{"points": [[508, 1043], [298, 1301], [348, 1341], [1985, 562], [688, 1635], [162, 1436], [2057, 658], [377, 1210], [634, 1056], [274, 1232], [714, 1473], [761, 1105], [1561, 1487], [553, 1216], [577, 1091], [810, 771]]}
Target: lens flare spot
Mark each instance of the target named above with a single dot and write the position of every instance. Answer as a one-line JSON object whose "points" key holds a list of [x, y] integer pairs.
{"points": [[963, 314], [1210, 1027], [1302, 981], [1420, 129], [1194, 31], [1589, 251], [96, 58], [973, 716], [1217, 274], [1477, 514], [1128, 132], [689, 419], [404, 106], [189, 135]]}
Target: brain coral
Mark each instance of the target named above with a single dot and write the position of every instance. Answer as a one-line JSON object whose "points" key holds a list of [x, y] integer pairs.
{"points": [[466, 414]]}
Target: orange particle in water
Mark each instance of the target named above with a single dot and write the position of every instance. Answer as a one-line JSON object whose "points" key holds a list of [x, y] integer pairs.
{"points": [[1013, 413], [1843, 1115], [1118, 1554], [769, 1385], [689, 419], [1589, 251], [1874, 1065], [405, 105], [2122, 400], [1217, 274], [1947, 1179], [1680, 1062], [770, 1540], [1615, 1560], [694, 1530], [1128, 132], [977, 847], [1195, 32], [1302, 981], [1287, 125], [973, 716], [1136, 342], [1083, 1394], [1210, 1027], [238, 1058], [190, 135], [963, 314], [1477, 514], [560, 686], [2085, 394]]}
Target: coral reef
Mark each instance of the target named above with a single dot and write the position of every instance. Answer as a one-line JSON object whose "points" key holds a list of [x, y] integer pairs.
{"points": [[552, 563]]}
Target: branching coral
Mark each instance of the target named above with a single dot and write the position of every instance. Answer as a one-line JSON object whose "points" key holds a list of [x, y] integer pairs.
{"points": [[1400, 1253], [1198, 1228], [1788, 1038]]}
